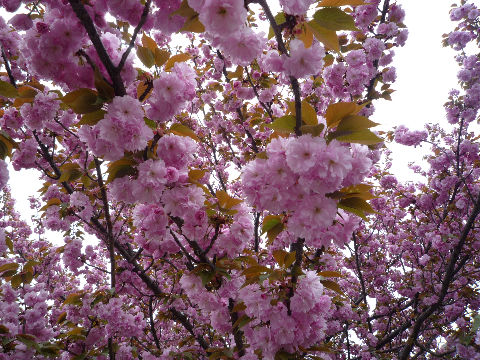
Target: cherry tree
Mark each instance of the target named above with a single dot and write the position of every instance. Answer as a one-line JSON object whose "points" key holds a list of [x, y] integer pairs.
{"points": [[221, 191]]}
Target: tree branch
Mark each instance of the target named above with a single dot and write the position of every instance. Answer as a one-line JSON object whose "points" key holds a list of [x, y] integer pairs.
{"points": [[89, 26], [146, 9]]}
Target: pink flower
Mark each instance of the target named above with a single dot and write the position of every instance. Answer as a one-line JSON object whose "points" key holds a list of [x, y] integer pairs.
{"points": [[308, 292], [243, 46], [296, 7], [124, 125], [151, 181], [11, 5], [176, 151], [21, 22], [223, 17], [171, 91], [304, 61], [355, 58], [303, 152]]}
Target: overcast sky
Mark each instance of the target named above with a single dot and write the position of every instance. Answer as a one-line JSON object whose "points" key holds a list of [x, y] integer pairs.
{"points": [[426, 72]]}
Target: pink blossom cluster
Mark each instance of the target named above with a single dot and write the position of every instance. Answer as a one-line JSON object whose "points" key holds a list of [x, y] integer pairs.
{"points": [[151, 223], [72, 254], [25, 156], [122, 129], [11, 5], [459, 39], [303, 61], [365, 14], [82, 205], [164, 20], [410, 138], [465, 11], [296, 7], [297, 176], [238, 237], [42, 112], [51, 53], [276, 323], [274, 327], [121, 319], [171, 92], [34, 313], [170, 168], [225, 27]]}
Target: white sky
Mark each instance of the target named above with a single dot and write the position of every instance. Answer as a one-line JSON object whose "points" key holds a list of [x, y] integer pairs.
{"points": [[425, 74]]}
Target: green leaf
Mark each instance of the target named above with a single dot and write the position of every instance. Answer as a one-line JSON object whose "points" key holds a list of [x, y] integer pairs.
{"points": [[330, 274], [279, 256], [26, 92], [6, 145], [255, 270], [336, 112], [357, 206], [365, 137], [279, 19], [92, 118], [74, 299], [61, 318], [16, 281], [150, 123], [146, 56], [274, 232], [8, 273], [82, 101], [149, 43], [334, 19], [193, 24], [237, 74], [176, 58], [51, 202], [269, 222], [105, 90], [283, 355], [309, 115], [355, 123], [28, 340], [8, 90], [225, 201], [332, 285], [8, 266], [358, 203], [326, 36], [70, 172], [120, 168], [4, 329], [284, 124], [182, 130], [476, 323], [161, 56], [241, 322], [466, 339], [49, 350], [195, 175], [314, 130], [206, 276]]}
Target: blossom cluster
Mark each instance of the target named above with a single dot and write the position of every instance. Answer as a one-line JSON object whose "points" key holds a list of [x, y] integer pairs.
{"points": [[122, 129], [297, 178], [275, 323]]}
